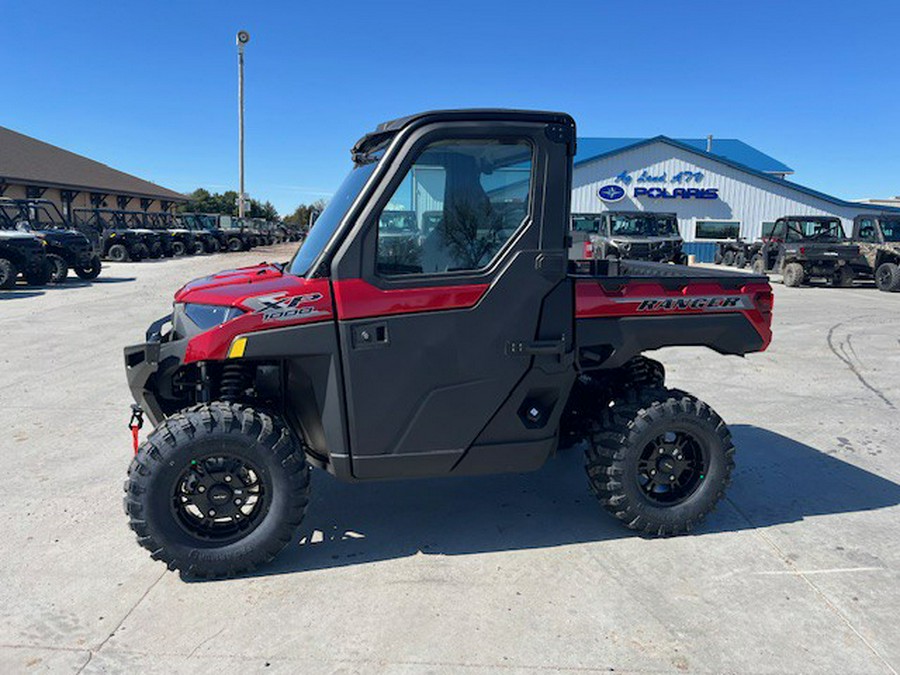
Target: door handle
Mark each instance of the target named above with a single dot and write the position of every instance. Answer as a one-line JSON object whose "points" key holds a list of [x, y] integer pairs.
{"points": [[537, 348], [370, 335]]}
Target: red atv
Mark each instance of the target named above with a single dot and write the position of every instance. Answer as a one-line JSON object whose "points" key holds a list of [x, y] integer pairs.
{"points": [[464, 344]]}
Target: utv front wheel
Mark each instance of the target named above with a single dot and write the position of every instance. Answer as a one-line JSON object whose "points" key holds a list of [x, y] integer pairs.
{"points": [[118, 253], [659, 461], [217, 490], [887, 277], [90, 271], [8, 273], [235, 245]]}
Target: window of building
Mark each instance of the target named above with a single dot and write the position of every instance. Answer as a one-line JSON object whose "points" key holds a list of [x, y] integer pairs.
{"points": [[717, 229], [456, 207]]}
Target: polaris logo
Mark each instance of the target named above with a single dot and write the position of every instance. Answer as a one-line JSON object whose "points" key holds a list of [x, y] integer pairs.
{"points": [[706, 303], [611, 193], [279, 308]]}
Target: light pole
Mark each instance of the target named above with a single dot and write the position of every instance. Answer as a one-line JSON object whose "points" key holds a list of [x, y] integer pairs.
{"points": [[243, 37]]}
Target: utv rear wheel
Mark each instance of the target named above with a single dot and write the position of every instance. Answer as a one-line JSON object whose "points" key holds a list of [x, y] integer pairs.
{"points": [[887, 277], [59, 268], [8, 273], [659, 461], [235, 244], [740, 260], [793, 274], [178, 248], [728, 258], [90, 271], [758, 264], [217, 490], [118, 253], [199, 249]]}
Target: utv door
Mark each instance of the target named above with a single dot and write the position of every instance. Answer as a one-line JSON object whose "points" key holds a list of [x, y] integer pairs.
{"points": [[455, 330]]}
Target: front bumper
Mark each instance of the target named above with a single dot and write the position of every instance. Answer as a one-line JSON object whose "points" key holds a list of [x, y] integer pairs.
{"points": [[150, 369]]}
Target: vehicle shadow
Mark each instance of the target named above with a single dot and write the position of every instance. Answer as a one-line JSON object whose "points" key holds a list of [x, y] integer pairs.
{"points": [[81, 283], [12, 294], [777, 480]]}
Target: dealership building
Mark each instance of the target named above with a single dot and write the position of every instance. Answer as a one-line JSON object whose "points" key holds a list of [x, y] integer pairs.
{"points": [[718, 188], [33, 169]]}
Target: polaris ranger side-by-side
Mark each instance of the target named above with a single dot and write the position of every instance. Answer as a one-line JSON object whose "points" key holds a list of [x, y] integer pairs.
{"points": [[65, 248], [478, 350], [114, 239], [22, 253], [802, 248], [878, 239], [634, 235]]}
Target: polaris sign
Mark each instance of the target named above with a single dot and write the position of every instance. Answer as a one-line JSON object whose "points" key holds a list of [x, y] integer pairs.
{"points": [[677, 193], [611, 193]]}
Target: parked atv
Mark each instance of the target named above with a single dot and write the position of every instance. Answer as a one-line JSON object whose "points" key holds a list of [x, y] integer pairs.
{"points": [[633, 235], [480, 352], [878, 238], [738, 253], [22, 253], [65, 248], [802, 248]]}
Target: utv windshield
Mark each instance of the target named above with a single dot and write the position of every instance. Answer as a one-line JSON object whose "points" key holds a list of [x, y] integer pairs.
{"points": [[891, 230], [818, 230], [666, 227], [327, 222], [586, 223], [633, 226]]}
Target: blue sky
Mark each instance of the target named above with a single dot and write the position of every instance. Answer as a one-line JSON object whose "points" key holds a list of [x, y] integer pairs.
{"points": [[150, 88]]}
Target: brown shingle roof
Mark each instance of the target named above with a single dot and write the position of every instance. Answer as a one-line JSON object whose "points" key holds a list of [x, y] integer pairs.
{"points": [[27, 160]]}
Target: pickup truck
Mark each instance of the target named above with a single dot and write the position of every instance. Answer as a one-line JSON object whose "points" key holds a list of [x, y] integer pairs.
{"points": [[802, 248], [482, 351], [635, 235]]}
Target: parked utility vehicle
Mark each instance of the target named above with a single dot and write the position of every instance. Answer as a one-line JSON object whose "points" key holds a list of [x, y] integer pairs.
{"points": [[476, 353], [115, 238], [22, 253], [634, 235], [65, 247], [801, 248], [878, 238]]}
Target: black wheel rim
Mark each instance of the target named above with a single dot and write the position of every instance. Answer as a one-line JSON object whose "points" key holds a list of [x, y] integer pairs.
{"points": [[672, 467], [220, 498], [883, 277]]}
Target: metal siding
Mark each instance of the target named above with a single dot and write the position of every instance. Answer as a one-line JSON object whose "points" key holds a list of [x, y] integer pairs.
{"points": [[742, 196]]}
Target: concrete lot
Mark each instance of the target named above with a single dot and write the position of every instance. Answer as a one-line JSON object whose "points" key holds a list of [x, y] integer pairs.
{"points": [[797, 572]]}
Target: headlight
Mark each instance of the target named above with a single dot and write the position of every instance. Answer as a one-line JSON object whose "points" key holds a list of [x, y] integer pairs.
{"points": [[210, 316]]}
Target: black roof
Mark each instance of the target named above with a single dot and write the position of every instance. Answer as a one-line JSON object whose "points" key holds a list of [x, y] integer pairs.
{"points": [[24, 159], [387, 129]]}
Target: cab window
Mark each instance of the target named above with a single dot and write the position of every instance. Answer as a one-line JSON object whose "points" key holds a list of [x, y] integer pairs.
{"points": [[456, 207]]}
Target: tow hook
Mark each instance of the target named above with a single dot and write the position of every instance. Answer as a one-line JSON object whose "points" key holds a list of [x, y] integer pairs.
{"points": [[135, 424]]}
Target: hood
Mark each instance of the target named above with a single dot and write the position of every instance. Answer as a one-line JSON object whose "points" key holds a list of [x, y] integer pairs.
{"points": [[9, 234], [234, 287]]}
